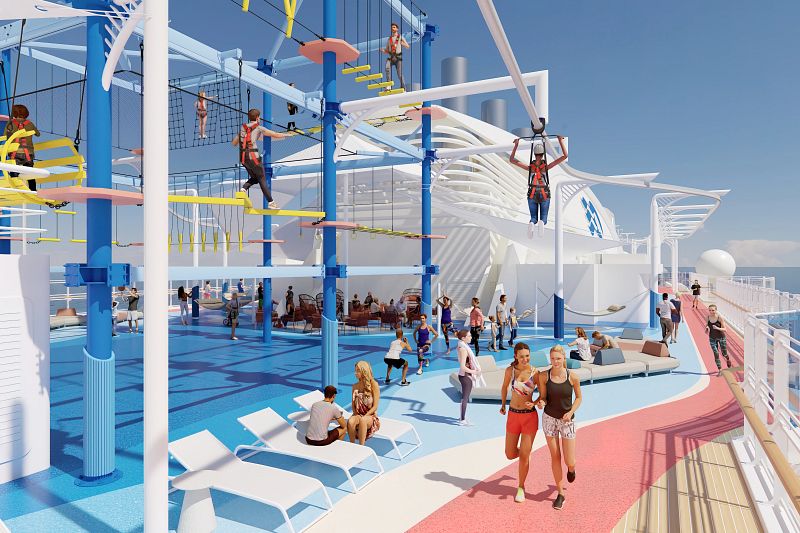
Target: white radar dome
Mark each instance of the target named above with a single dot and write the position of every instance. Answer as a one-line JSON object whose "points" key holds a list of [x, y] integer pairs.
{"points": [[715, 263]]}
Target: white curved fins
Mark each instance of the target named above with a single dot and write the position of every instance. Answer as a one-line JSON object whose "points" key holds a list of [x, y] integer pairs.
{"points": [[132, 13]]}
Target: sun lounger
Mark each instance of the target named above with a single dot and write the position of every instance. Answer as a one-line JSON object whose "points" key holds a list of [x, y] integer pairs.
{"points": [[391, 429], [270, 486], [276, 435]]}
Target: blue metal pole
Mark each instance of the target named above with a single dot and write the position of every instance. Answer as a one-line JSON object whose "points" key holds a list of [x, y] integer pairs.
{"points": [[5, 245], [98, 435], [427, 147], [266, 220], [330, 327]]}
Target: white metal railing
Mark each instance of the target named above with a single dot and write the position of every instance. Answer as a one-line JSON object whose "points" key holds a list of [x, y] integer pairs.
{"points": [[737, 297], [772, 385]]}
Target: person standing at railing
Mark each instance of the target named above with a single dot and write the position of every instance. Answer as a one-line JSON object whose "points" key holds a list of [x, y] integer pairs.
{"points": [[715, 327]]}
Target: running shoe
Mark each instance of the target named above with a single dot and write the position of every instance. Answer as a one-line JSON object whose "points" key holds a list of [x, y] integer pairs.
{"points": [[428, 362], [234, 338], [520, 497], [530, 230], [419, 371], [570, 476], [467, 423], [541, 228], [559, 502], [243, 190], [728, 361], [273, 205], [387, 381], [719, 372], [405, 383]]}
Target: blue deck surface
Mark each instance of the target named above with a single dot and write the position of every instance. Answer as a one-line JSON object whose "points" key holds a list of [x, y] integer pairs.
{"points": [[213, 380]]}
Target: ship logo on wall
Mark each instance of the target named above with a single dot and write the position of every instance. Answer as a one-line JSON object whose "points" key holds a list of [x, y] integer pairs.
{"points": [[592, 218]]}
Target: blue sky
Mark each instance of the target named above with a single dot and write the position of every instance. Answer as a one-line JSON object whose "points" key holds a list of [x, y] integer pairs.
{"points": [[703, 92]]}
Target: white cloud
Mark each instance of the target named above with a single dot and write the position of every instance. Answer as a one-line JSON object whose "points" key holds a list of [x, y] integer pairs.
{"points": [[758, 252]]}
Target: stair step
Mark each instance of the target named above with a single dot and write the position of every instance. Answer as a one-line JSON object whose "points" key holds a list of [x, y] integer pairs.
{"points": [[369, 77], [380, 85], [353, 70], [391, 91]]}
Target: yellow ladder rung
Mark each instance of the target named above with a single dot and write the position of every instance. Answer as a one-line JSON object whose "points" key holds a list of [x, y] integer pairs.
{"points": [[49, 239], [353, 70], [62, 212], [381, 85], [391, 91], [415, 104], [369, 77], [315, 129]]}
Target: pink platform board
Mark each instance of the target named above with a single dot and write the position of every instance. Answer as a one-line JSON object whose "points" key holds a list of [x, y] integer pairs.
{"points": [[329, 224], [426, 237], [435, 112], [345, 52], [4, 238], [265, 241], [81, 194]]}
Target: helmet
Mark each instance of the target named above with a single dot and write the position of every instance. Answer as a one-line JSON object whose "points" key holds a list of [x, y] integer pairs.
{"points": [[538, 149]]}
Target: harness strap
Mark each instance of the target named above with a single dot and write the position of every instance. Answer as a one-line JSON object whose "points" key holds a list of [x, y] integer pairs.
{"points": [[247, 144], [23, 142]]}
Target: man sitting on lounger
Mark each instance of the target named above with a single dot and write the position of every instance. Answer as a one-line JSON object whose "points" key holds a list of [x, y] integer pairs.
{"points": [[600, 341], [323, 413]]}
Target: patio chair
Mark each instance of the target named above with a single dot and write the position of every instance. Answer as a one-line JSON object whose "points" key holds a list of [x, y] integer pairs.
{"points": [[391, 429], [276, 435], [271, 486]]}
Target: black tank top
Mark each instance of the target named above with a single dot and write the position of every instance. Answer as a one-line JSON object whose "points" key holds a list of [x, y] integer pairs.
{"points": [[715, 333], [559, 397]]}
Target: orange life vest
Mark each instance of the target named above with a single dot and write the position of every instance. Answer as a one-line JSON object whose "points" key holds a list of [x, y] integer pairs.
{"points": [[25, 143]]}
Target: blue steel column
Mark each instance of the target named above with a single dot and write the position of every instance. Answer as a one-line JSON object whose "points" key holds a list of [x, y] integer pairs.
{"points": [[5, 245], [330, 327], [427, 147], [98, 368], [266, 220]]}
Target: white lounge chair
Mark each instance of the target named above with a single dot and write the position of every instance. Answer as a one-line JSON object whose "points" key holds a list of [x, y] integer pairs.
{"points": [[391, 429], [276, 435], [265, 484]]}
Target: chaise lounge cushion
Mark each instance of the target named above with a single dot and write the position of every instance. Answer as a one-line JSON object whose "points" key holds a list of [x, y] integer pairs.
{"points": [[626, 368], [653, 363], [609, 356], [627, 345], [633, 334], [659, 349]]}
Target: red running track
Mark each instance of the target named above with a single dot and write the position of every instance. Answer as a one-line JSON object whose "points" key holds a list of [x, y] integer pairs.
{"points": [[617, 461]]}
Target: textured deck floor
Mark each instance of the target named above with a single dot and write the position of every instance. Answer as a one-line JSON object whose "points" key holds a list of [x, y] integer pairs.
{"points": [[702, 492]]}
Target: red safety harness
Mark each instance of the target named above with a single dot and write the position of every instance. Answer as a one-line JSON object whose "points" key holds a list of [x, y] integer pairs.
{"points": [[538, 181], [394, 45], [247, 144], [25, 143]]}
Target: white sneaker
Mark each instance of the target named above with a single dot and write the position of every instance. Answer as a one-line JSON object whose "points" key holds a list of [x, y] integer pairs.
{"points": [[541, 228], [464, 422], [419, 371], [273, 205], [243, 190], [530, 230]]}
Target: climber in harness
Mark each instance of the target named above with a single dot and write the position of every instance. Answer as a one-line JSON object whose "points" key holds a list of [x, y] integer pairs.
{"points": [[23, 156], [249, 157], [538, 182], [394, 47]]}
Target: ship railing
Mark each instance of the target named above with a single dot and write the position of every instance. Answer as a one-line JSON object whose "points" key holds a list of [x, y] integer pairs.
{"points": [[769, 395]]}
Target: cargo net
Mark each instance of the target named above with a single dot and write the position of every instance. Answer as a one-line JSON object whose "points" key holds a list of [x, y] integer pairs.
{"points": [[213, 101]]}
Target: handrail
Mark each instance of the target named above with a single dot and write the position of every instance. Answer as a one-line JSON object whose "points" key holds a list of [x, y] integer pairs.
{"points": [[787, 476]]}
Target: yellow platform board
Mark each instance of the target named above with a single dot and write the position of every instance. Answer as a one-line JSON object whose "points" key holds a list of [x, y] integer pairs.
{"points": [[391, 91], [381, 85], [369, 77], [353, 70]]}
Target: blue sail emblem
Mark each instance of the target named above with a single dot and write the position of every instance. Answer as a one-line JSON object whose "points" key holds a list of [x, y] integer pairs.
{"points": [[592, 218]]}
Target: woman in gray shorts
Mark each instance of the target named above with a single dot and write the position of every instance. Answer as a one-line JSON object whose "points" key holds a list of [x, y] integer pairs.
{"points": [[557, 387]]}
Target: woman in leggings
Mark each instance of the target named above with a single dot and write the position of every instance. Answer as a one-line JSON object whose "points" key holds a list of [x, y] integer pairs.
{"points": [[447, 320], [476, 324], [557, 388], [468, 372], [715, 327], [523, 419]]}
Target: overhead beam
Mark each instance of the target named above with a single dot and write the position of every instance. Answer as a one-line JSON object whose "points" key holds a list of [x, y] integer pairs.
{"points": [[74, 67], [408, 17], [386, 160], [503, 83], [35, 29]]}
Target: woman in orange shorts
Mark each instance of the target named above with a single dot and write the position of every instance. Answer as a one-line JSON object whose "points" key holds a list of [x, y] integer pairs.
{"points": [[523, 420]]}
